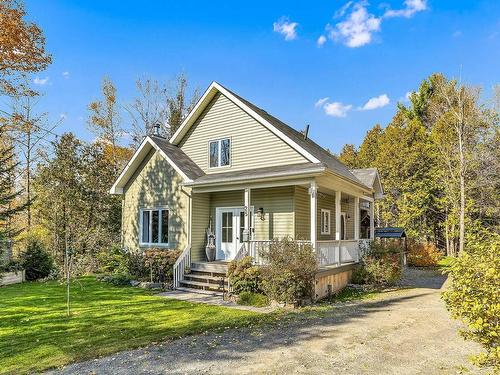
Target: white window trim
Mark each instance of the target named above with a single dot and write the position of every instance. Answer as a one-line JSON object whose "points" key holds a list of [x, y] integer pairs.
{"points": [[219, 141], [329, 214], [141, 217]]}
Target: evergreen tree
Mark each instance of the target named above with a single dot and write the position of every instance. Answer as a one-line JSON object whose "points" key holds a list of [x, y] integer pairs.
{"points": [[9, 196]]}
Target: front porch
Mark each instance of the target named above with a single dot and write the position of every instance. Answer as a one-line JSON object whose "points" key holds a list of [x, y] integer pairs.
{"points": [[335, 217]]}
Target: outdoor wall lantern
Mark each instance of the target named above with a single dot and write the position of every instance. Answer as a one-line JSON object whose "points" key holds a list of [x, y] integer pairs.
{"points": [[260, 213]]}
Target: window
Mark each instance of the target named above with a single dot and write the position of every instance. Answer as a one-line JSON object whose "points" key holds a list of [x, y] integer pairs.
{"points": [[227, 227], [154, 226], [220, 153], [325, 221]]}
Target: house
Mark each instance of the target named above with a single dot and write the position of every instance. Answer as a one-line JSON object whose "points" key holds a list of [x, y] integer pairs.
{"points": [[233, 167]]}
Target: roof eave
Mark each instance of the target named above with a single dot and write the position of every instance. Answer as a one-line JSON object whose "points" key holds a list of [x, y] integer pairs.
{"points": [[277, 176]]}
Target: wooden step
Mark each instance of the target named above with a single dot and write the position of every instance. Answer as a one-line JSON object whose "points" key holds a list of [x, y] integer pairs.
{"points": [[200, 285], [213, 267], [200, 291], [194, 276], [194, 271]]}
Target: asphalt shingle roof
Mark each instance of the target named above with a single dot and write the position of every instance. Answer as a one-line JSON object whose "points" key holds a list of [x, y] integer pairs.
{"points": [[189, 167], [366, 176], [312, 147]]}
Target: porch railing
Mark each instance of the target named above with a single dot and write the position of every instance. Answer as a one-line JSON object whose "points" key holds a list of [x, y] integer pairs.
{"points": [[183, 262], [328, 252]]}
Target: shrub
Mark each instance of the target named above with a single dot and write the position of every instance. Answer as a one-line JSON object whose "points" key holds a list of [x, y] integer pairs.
{"points": [[136, 266], [244, 276], [473, 295], [252, 299], [36, 261], [380, 266], [160, 263], [423, 255], [11, 266], [153, 265], [113, 260], [289, 274], [117, 279]]}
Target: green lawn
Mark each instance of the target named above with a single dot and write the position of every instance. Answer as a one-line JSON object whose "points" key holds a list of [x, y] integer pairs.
{"points": [[444, 263], [35, 333]]}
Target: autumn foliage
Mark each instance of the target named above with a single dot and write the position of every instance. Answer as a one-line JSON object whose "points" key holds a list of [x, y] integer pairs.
{"points": [[423, 255]]}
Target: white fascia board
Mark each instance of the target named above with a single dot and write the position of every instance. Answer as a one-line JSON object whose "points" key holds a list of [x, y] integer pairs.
{"points": [[181, 131]]}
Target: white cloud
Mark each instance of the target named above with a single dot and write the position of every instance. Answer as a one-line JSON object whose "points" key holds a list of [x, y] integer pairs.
{"points": [[41, 81], [376, 102], [357, 29], [411, 7], [321, 40], [340, 13], [408, 95], [63, 116], [320, 102], [337, 109], [358, 26], [286, 28], [65, 74]]}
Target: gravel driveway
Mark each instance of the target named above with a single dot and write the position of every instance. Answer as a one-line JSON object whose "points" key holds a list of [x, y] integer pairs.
{"points": [[402, 332]]}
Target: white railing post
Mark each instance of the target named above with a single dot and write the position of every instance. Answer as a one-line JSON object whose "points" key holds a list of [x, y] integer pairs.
{"points": [[313, 192], [180, 266], [356, 218]]}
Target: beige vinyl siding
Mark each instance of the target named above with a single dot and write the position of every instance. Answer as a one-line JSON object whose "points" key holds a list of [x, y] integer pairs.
{"points": [[302, 208], [200, 217], [225, 199], [303, 214], [347, 206], [252, 144], [154, 184], [278, 210], [276, 202], [326, 202]]}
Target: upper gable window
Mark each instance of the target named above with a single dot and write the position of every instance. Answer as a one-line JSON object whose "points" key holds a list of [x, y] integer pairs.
{"points": [[220, 153]]}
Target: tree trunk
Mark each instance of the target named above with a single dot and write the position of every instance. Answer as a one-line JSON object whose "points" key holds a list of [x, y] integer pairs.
{"points": [[462, 191]]}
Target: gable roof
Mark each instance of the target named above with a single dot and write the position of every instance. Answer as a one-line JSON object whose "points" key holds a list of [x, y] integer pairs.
{"points": [[173, 154], [306, 147], [390, 232], [366, 176], [369, 177], [182, 161]]}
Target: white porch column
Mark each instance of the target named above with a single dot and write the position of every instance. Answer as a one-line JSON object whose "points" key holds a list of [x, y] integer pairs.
{"points": [[313, 192], [338, 211], [372, 220], [356, 218], [247, 212]]}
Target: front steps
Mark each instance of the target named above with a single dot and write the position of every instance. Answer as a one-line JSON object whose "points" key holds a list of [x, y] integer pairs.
{"points": [[209, 277]]}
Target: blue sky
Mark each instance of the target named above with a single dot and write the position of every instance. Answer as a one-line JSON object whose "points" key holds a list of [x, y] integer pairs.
{"points": [[269, 53]]}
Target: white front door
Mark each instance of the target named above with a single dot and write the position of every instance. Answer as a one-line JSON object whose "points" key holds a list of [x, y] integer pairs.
{"points": [[230, 224]]}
